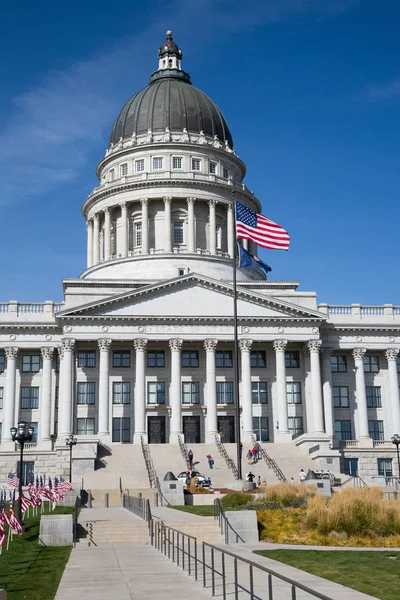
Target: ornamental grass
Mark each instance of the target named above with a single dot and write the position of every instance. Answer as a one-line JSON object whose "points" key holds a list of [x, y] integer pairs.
{"points": [[288, 494]]}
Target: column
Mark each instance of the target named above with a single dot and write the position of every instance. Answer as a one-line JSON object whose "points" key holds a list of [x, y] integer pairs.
{"points": [[96, 240], [247, 407], [191, 245], [327, 390], [124, 229], [362, 412], [213, 232], [283, 431], [167, 224], [175, 391], [391, 357], [107, 234], [45, 396], [145, 225], [246, 244], [140, 390], [104, 371], [211, 390], [65, 402], [9, 399], [89, 227], [314, 347], [230, 232]]}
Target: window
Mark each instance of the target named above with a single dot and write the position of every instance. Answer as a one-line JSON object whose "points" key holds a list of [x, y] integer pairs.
{"points": [[1, 397], [156, 359], [87, 359], [257, 359], [293, 392], [190, 359], [385, 468], [57, 363], [225, 172], [259, 392], [86, 392], [196, 164], [260, 426], [57, 397], [374, 399], [55, 428], [292, 359], [397, 362], [338, 364], [112, 175], [1, 431], [31, 363], [29, 397], [139, 165], [121, 429], [340, 396], [2, 363], [85, 426], [212, 168], [343, 430], [190, 392], [124, 169], [138, 234], [157, 163], [28, 468], [35, 432], [155, 392], [121, 358], [177, 162], [224, 392], [295, 425], [371, 364], [121, 392], [177, 232], [375, 430], [350, 466], [223, 359], [181, 272]]}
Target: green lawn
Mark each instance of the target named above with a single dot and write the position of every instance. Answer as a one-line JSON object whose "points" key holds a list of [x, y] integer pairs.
{"points": [[375, 573], [31, 571], [203, 511]]}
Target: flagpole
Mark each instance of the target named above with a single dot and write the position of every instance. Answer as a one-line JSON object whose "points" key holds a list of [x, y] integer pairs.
{"points": [[236, 346]]}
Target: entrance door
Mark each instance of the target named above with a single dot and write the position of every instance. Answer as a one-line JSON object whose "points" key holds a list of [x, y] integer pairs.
{"points": [[226, 426], [156, 430], [121, 429], [191, 429], [350, 466], [260, 426]]}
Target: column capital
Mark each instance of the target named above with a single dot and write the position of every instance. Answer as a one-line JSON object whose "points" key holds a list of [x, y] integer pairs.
{"points": [[89, 225], [11, 352], [280, 345], [210, 345], [144, 201], [107, 211], [359, 353], [191, 200], [175, 345], [391, 353], [245, 345], [47, 352], [212, 203], [123, 205], [96, 217], [230, 207], [104, 345], [314, 345], [68, 344], [326, 353], [140, 344], [167, 199]]}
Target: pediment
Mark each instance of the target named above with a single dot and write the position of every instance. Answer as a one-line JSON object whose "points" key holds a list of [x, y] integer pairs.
{"points": [[191, 297]]}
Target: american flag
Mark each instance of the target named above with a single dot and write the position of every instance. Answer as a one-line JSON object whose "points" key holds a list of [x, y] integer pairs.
{"points": [[63, 485], [4, 517], [25, 503], [14, 523], [12, 480], [261, 230], [2, 535]]}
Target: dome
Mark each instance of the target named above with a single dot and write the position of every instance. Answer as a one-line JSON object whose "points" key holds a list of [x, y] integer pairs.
{"points": [[170, 101]]}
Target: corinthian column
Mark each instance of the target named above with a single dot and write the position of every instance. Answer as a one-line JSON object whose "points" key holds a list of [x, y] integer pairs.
{"points": [[140, 391], [89, 227], [45, 400], [65, 390], [213, 232], [391, 357], [175, 391], [283, 431], [107, 234], [314, 348], [327, 389], [230, 232], [9, 400], [145, 225], [167, 224], [104, 405], [362, 412], [96, 240], [124, 229], [191, 234], [247, 407], [211, 390]]}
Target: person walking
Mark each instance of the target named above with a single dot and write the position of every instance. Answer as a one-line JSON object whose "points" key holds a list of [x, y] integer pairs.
{"points": [[259, 481], [302, 476], [240, 450], [190, 459], [210, 461], [249, 457]]}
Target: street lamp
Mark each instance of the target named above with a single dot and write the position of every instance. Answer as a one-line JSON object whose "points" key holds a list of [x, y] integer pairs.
{"points": [[396, 442], [70, 441], [21, 434]]}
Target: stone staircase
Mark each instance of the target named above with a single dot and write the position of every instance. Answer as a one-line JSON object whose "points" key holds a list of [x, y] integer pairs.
{"points": [[111, 526], [123, 463]]}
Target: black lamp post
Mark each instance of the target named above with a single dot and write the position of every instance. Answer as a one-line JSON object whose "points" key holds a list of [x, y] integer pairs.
{"points": [[396, 442], [21, 434], [70, 441]]}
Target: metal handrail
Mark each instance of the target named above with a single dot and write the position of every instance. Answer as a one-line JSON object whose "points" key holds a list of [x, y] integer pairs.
{"points": [[359, 482], [151, 472], [223, 522], [270, 461], [140, 507], [184, 451], [222, 450]]}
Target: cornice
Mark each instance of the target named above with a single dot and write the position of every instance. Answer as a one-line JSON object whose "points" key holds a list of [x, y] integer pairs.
{"points": [[354, 327], [194, 319]]}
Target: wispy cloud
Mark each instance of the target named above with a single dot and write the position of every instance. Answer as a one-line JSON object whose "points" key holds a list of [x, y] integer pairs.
{"points": [[383, 92]]}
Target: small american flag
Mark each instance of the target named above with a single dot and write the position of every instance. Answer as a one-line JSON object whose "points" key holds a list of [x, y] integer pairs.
{"points": [[25, 503], [2, 535], [14, 523], [5, 518], [261, 230], [63, 485], [12, 480]]}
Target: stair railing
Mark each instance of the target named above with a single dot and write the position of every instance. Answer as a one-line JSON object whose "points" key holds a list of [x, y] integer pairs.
{"points": [[272, 464], [184, 451], [229, 462], [359, 482], [151, 472], [224, 524]]}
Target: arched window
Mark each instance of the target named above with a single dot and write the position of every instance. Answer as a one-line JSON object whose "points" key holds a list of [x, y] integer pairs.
{"points": [[177, 232]]}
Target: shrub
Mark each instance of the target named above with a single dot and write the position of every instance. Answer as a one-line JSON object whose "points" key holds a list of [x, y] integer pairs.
{"points": [[288, 495], [235, 500]]}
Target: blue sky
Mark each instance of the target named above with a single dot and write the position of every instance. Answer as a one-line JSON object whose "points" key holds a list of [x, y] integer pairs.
{"points": [[311, 92]]}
